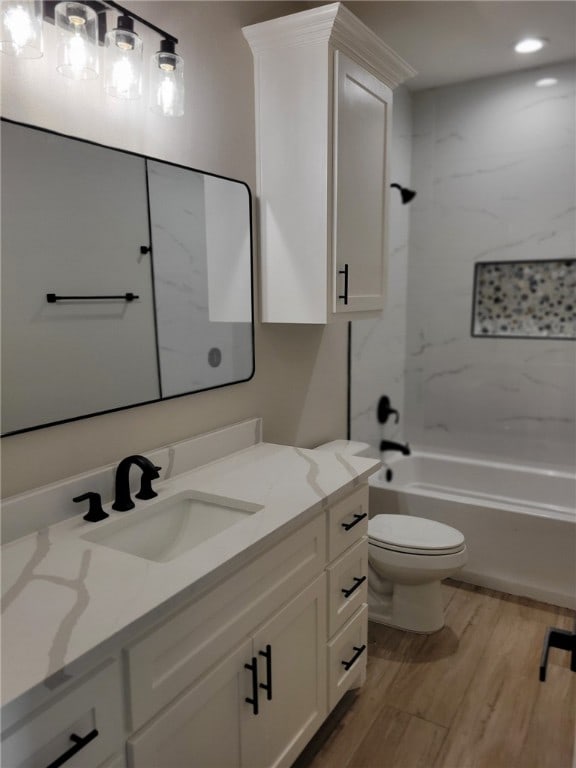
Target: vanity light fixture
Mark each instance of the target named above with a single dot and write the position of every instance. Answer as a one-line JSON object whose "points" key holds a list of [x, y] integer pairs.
{"points": [[21, 29], [529, 45], [81, 26]]}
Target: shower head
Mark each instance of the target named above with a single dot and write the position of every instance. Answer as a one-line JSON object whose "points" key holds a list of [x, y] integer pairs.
{"points": [[406, 194]]}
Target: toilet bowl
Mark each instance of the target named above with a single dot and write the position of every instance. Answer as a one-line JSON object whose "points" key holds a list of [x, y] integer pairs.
{"points": [[407, 559]]}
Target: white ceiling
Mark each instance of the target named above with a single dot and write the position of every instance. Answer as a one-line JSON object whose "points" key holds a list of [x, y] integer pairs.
{"points": [[448, 41]]}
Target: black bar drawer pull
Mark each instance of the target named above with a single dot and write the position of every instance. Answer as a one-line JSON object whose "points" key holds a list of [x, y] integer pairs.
{"points": [[358, 581], [359, 652], [52, 298], [267, 686], [253, 667], [79, 743], [357, 518], [345, 273]]}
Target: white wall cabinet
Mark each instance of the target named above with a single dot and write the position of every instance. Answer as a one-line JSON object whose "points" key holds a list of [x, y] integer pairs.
{"points": [[323, 85]]}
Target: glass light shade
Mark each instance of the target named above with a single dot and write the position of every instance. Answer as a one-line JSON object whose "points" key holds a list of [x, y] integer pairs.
{"points": [[21, 29], [167, 82], [123, 61], [77, 54]]}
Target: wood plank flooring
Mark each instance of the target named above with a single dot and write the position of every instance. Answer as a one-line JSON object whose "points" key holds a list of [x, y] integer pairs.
{"points": [[465, 697]]}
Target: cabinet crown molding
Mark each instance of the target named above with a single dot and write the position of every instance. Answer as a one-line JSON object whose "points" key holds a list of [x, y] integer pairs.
{"points": [[333, 25]]}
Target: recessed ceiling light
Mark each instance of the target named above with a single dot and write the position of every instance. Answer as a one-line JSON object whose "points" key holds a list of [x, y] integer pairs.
{"points": [[544, 82], [529, 45]]}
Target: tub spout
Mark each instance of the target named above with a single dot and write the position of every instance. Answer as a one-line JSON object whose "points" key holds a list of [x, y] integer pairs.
{"points": [[389, 445]]}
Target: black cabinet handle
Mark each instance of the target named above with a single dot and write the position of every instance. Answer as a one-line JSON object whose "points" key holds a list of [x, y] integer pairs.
{"points": [[359, 652], [345, 273], [267, 686], [357, 518], [52, 298], [79, 743], [253, 667], [359, 580]]}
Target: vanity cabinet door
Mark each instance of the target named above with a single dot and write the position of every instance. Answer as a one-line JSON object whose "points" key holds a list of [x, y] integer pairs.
{"points": [[362, 119], [291, 653], [203, 727]]}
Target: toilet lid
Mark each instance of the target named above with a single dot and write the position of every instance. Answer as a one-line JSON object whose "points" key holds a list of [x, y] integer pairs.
{"points": [[414, 535]]}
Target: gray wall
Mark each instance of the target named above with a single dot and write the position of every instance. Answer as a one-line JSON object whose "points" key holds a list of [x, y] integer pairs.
{"points": [[494, 166], [300, 382]]}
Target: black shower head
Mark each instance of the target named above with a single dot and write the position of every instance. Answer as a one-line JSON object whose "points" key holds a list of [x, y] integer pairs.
{"points": [[406, 194]]}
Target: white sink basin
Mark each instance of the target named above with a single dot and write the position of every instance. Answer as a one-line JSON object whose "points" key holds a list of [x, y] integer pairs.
{"points": [[167, 529]]}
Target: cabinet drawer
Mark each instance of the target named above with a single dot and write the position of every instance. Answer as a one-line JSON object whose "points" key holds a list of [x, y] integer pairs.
{"points": [[348, 522], [171, 657], [347, 656], [92, 709], [347, 585]]}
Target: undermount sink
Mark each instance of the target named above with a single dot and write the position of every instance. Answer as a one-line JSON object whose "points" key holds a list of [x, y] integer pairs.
{"points": [[167, 529]]}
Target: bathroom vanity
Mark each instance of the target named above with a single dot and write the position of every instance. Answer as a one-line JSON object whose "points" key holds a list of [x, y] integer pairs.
{"points": [[226, 651]]}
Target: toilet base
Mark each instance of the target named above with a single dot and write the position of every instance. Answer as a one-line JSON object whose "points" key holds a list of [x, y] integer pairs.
{"points": [[412, 607]]}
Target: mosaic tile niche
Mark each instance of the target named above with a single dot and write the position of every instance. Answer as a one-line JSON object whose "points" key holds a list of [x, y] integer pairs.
{"points": [[525, 299]]}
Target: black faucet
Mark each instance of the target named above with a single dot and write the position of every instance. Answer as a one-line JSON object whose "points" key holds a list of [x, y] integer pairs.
{"points": [[123, 500], [389, 445]]}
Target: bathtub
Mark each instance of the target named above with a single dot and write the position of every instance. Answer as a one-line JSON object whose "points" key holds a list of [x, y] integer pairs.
{"points": [[519, 522]]}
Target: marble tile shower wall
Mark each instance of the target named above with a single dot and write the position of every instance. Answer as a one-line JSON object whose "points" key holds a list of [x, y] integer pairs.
{"points": [[494, 166], [378, 346]]}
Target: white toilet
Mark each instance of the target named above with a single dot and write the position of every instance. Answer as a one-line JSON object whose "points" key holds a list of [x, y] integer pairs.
{"points": [[408, 557]]}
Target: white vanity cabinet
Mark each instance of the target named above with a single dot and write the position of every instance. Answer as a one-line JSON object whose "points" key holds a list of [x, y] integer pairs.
{"points": [[258, 707], [240, 674], [244, 676], [259, 636], [82, 727], [323, 86]]}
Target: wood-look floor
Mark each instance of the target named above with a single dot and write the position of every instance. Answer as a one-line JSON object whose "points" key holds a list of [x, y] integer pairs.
{"points": [[465, 697]]}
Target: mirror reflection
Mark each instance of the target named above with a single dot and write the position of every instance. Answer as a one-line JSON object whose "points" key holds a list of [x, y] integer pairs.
{"points": [[150, 266]]}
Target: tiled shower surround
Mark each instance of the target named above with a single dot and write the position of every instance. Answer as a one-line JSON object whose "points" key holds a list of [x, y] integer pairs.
{"points": [[525, 299], [493, 166]]}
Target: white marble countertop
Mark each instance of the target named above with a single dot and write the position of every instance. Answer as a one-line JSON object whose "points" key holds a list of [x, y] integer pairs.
{"points": [[64, 597]]}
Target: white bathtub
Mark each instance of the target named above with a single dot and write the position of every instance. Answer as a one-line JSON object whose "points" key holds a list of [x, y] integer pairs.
{"points": [[519, 522]]}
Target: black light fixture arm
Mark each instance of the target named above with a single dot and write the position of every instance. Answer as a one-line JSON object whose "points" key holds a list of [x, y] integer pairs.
{"points": [[126, 12]]}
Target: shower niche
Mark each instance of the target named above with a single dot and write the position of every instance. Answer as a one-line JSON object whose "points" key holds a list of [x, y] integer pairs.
{"points": [[525, 299]]}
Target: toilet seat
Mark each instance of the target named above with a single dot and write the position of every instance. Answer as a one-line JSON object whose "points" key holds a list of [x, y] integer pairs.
{"points": [[414, 535]]}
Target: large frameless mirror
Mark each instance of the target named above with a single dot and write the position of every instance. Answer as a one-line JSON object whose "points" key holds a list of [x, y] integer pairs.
{"points": [[125, 280]]}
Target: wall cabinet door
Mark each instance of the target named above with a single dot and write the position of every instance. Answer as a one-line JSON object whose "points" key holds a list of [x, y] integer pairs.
{"points": [[203, 727], [291, 651], [362, 120]]}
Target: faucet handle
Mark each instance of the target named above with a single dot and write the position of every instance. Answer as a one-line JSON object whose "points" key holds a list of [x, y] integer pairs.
{"points": [[146, 491], [95, 512], [385, 410]]}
